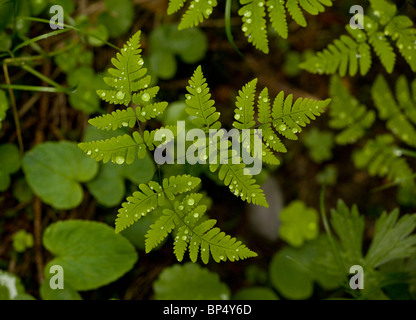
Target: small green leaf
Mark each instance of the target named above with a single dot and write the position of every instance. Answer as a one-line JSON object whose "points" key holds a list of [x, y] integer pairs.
{"points": [[299, 223], [54, 171], [189, 282], [103, 257], [10, 160]]}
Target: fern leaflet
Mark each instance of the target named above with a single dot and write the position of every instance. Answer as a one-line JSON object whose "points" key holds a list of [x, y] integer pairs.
{"points": [[347, 114]]}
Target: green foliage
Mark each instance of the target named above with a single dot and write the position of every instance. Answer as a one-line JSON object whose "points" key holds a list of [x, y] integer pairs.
{"points": [[294, 271], [180, 213], [54, 171], [4, 105], [253, 14], [400, 115], [347, 114], [103, 257], [10, 162], [255, 293], [22, 241], [392, 240], [384, 159], [197, 11], [353, 53], [298, 223], [189, 282], [118, 17], [166, 41], [320, 144]]}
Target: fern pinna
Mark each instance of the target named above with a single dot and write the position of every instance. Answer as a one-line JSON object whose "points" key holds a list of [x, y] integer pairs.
{"points": [[253, 14], [382, 25], [176, 197]]}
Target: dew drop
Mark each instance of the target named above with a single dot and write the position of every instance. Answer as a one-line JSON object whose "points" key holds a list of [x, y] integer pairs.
{"points": [[120, 95], [145, 97], [191, 201], [120, 160], [237, 116]]}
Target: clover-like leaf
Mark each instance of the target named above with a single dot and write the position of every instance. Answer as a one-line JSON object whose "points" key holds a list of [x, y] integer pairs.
{"points": [[90, 253], [299, 223], [54, 171]]}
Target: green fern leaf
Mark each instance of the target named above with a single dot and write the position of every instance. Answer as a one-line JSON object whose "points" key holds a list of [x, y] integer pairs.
{"points": [[389, 110], [152, 195], [197, 11], [384, 159], [200, 106], [405, 99], [294, 10], [347, 114], [399, 28], [289, 117], [244, 112], [254, 23], [175, 5], [384, 50], [277, 14], [119, 149], [127, 76]]}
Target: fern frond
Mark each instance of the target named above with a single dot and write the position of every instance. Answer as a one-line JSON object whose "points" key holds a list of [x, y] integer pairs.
{"points": [[289, 118], [347, 114], [200, 105], [128, 117], [244, 112], [239, 182], [343, 55], [254, 23], [382, 158], [389, 110], [399, 28], [128, 74], [119, 149], [197, 11], [277, 14], [175, 5], [294, 10], [152, 195], [384, 50]]}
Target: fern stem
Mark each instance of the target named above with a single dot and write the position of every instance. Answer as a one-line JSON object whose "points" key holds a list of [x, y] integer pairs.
{"points": [[228, 27]]}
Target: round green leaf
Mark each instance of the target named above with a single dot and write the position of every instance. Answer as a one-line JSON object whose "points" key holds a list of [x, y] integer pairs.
{"points": [[140, 171], [163, 63], [189, 282], [10, 160], [54, 171], [118, 18], [108, 186], [102, 258], [255, 293], [97, 35], [299, 223], [289, 277]]}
